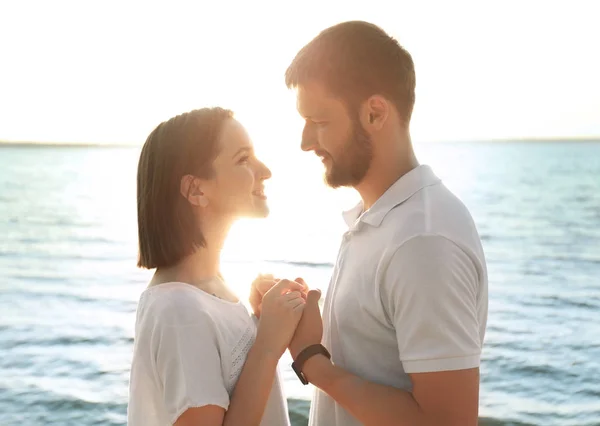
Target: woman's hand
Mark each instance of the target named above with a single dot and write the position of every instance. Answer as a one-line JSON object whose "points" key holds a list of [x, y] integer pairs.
{"points": [[282, 307], [262, 284]]}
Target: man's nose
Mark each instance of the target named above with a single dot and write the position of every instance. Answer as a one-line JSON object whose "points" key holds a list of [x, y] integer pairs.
{"points": [[309, 141]]}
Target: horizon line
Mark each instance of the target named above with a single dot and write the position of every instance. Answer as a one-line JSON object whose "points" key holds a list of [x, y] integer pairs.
{"points": [[31, 144]]}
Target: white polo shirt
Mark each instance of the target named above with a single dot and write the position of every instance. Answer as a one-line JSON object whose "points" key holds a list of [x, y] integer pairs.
{"points": [[409, 290]]}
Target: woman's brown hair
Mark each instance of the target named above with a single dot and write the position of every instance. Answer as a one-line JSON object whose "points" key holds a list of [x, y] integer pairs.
{"points": [[185, 144]]}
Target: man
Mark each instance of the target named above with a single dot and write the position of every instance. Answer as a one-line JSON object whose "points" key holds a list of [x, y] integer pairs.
{"points": [[405, 313]]}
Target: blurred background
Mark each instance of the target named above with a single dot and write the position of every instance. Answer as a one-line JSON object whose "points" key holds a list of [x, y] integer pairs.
{"points": [[507, 114]]}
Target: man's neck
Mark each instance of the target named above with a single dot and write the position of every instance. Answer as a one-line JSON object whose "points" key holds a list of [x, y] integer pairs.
{"points": [[383, 173]]}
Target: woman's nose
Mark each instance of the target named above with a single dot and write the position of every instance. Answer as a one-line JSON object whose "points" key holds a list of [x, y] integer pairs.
{"points": [[265, 172]]}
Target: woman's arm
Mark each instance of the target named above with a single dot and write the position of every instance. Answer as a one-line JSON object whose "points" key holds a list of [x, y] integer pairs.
{"points": [[249, 397], [282, 309]]}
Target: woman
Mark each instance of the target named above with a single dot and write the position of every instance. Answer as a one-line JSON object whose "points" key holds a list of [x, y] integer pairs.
{"points": [[199, 357]]}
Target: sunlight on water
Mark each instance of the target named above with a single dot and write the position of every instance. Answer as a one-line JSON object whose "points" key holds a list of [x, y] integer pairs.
{"points": [[69, 286]]}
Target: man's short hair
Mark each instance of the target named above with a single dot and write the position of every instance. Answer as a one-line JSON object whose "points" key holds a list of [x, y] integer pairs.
{"points": [[355, 60]]}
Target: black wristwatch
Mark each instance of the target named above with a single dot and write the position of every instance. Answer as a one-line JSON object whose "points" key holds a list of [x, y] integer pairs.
{"points": [[305, 354]]}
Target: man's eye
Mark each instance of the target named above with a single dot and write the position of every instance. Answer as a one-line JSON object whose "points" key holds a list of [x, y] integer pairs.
{"points": [[243, 160]]}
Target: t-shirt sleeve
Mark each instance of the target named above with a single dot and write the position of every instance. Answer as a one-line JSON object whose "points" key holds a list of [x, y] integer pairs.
{"points": [[187, 360], [430, 292]]}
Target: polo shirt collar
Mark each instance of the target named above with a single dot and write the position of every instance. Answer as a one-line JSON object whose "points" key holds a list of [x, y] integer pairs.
{"points": [[404, 188]]}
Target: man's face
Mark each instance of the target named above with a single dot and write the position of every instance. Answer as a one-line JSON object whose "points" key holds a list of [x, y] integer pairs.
{"points": [[334, 135]]}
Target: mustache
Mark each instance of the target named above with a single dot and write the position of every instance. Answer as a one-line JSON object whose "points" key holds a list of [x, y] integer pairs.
{"points": [[321, 153]]}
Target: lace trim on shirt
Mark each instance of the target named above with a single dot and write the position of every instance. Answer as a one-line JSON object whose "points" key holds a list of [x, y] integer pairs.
{"points": [[239, 354]]}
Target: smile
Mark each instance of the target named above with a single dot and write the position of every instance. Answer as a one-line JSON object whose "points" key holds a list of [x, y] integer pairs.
{"points": [[260, 194]]}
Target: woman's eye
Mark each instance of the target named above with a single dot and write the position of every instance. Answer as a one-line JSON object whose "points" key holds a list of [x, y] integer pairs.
{"points": [[243, 160]]}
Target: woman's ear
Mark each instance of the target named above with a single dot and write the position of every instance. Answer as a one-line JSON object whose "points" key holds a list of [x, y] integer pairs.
{"points": [[190, 188]]}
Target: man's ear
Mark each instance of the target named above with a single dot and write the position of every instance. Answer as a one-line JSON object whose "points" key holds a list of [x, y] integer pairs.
{"points": [[374, 113], [191, 189]]}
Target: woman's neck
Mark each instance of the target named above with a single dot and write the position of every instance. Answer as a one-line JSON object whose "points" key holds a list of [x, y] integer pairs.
{"points": [[201, 267]]}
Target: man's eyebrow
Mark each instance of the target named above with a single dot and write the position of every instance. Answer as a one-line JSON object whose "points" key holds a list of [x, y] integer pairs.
{"points": [[310, 115], [316, 115]]}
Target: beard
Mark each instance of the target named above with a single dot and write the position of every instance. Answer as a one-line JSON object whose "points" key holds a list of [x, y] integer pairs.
{"points": [[352, 163]]}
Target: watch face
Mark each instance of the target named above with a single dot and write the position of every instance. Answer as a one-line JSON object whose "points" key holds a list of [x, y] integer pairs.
{"points": [[303, 379], [299, 374]]}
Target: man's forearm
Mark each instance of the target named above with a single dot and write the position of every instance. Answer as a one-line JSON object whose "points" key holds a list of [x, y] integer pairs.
{"points": [[371, 403]]}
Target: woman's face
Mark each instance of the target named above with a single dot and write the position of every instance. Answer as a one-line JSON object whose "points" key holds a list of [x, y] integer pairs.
{"points": [[237, 189]]}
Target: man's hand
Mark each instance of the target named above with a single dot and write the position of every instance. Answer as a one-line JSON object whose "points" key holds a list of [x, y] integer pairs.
{"points": [[260, 286], [310, 327]]}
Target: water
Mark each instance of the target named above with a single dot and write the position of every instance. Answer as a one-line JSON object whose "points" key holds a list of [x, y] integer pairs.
{"points": [[68, 285]]}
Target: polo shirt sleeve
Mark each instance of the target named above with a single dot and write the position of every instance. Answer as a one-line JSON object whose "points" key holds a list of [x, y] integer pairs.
{"points": [[430, 292]]}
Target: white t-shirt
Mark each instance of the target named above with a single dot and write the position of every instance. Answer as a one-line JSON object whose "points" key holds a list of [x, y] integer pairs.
{"points": [[189, 351], [409, 291]]}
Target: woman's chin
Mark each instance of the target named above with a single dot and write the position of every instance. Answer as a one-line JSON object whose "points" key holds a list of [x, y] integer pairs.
{"points": [[258, 211], [262, 212]]}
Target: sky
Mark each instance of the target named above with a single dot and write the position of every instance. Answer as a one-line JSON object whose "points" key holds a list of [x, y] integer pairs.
{"points": [[110, 71]]}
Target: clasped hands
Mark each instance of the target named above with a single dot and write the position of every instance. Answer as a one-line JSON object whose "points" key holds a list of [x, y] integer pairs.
{"points": [[309, 329]]}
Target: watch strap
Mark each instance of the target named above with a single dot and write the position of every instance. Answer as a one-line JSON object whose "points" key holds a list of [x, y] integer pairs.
{"points": [[304, 355]]}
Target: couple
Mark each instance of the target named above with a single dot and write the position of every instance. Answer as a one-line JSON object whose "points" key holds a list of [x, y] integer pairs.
{"points": [[405, 313]]}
